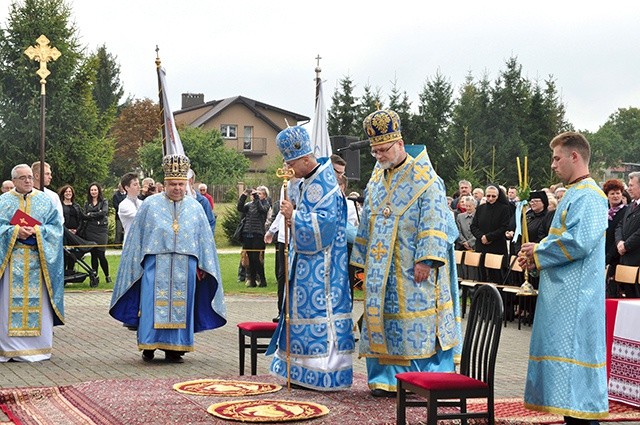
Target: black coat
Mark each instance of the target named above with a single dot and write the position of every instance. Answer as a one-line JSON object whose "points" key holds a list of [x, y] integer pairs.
{"points": [[97, 223], [491, 220], [628, 230], [612, 256]]}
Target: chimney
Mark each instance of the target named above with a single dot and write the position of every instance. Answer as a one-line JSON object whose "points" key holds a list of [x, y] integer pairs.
{"points": [[192, 99]]}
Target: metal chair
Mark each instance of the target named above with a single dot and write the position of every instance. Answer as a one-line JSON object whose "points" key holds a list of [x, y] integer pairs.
{"points": [[476, 377]]}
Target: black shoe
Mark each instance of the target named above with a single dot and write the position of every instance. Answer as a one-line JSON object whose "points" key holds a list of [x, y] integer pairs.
{"points": [[130, 327], [147, 355], [299, 387], [173, 356], [382, 393], [250, 284], [262, 285], [276, 319], [109, 280]]}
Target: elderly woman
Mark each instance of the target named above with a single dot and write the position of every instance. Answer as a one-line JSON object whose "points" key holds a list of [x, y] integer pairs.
{"points": [[489, 225], [255, 213], [466, 241], [614, 190]]}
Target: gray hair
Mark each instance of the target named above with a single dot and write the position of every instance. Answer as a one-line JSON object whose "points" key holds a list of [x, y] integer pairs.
{"points": [[202, 185], [464, 182], [14, 170], [263, 189], [636, 175]]}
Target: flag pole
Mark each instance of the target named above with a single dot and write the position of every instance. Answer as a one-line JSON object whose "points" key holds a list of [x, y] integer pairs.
{"points": [[318, 71], [161, 102]]}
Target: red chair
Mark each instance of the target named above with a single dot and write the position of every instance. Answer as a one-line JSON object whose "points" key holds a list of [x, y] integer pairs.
{"points": [[478, 360], [253, 330]]}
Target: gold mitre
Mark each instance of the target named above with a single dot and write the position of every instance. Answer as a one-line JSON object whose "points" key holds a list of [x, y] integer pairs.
{"points": [[175, 167], [382, 126]]}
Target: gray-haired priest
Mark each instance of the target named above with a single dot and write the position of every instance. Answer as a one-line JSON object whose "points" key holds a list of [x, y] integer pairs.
{"points": [[169, 282], [32, 282]]}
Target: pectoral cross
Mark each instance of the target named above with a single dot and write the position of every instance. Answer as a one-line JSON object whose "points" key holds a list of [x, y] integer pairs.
{"points": [[43, 53]]}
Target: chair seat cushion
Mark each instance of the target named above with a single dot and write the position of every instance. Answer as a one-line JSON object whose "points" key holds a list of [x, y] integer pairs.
{"points": [[257, 326], [440, 380]]}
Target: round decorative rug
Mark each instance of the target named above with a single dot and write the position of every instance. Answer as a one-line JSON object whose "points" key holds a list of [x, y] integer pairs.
{"points": [[227, 388], [267, 410]]}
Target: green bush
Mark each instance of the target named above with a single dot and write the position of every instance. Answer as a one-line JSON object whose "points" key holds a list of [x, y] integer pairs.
{"points": [[229, 222]]}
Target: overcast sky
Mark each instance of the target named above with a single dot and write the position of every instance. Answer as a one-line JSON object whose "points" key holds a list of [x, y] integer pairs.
{"points": [[265, 50]]}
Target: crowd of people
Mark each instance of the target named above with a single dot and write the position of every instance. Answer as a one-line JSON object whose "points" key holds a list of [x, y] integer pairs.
{"points": [[401, 235]]}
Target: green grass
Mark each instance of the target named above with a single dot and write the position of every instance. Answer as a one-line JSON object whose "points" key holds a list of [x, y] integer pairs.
{"points": [[228, 268]]}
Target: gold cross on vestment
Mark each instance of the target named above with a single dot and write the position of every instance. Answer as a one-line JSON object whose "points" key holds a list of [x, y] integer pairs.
{"points": [[378, 251], [43, 53]]}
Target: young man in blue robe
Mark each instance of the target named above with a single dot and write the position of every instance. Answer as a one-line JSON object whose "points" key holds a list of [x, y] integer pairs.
{"points": [[168, 283], [567, 356], [405, 246], [319, 299]]}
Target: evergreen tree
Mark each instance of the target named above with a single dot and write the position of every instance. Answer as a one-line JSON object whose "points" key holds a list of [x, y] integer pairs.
{"points": [[343, 112], [432, 122], [107, 90], [76, 146]]}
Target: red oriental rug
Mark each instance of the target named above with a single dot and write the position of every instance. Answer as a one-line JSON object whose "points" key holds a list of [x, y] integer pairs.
{"points": [[154, 401]]}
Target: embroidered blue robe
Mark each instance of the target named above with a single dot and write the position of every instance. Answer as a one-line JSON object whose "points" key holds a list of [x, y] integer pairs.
{"points": [[407, 326], [321, 326], [31, 263], [156, 288], [567, 356]]}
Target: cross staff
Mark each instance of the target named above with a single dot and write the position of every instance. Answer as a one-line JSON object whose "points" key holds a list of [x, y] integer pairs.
{"points": [[285, 174], [42, 53]]}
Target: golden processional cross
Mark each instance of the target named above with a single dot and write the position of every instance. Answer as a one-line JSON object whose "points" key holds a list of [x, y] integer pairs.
{"points": [[42, 53]]}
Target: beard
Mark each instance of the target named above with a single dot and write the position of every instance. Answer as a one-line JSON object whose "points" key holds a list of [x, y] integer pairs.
{"points": [[387, 165]]}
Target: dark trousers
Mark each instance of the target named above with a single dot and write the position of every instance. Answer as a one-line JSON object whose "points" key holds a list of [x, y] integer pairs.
{"points": [[280, 277], [119, 231], [253, 245], [98, 255], [575, 421]]}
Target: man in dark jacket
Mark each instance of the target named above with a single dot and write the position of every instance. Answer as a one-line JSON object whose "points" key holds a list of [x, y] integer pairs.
{"points": [[628, 233]]}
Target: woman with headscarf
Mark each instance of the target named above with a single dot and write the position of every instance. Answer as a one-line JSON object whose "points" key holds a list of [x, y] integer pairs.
{"points": [[489, 226], [614, 189]]}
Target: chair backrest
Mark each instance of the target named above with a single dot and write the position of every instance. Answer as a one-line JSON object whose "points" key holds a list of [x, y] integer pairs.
{"points": [[471, 265], [515, 266], [626, 274], [493, 261], [459, 256], [472, 258], [482, 336]]}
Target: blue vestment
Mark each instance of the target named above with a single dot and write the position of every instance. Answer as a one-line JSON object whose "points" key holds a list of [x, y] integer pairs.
{"points": [[27, 267], [567, 358], [156, 288], [321, 326], [407, 326]]}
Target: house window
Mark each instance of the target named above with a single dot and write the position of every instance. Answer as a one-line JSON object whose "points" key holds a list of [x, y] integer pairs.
{"points": [[229, 131], [248, 138]]}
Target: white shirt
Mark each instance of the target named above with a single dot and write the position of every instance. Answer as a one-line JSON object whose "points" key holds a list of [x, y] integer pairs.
{"points": [[55, 199], [127, 211]]}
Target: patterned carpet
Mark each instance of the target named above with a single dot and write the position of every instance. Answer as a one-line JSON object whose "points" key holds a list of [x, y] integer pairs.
{"points": [[134, 402]]}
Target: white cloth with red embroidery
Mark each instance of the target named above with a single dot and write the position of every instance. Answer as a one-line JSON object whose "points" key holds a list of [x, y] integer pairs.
{"points": [[624, 383]]}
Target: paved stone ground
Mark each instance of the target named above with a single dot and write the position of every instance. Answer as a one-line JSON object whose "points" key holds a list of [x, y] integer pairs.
{"points": [[93, 346]]}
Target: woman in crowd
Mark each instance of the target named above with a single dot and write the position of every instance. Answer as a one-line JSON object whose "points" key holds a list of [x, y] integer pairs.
{"points": [[466, 241], [489, 225], [614, 189], [96, 212], [70, 208], [255, 212]]}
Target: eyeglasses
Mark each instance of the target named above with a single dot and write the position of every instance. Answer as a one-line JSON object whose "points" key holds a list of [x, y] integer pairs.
{"points": [[25, 178], [376, 152], [491, 196], [339, 173]]}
